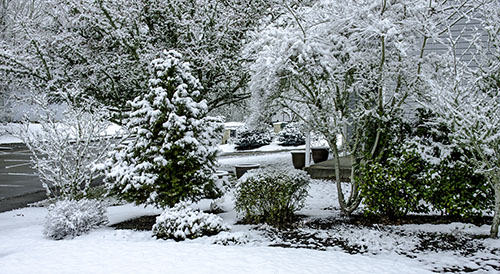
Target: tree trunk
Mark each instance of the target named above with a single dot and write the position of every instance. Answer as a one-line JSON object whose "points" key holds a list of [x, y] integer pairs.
{"points": [[346, 207], [496, 217]]}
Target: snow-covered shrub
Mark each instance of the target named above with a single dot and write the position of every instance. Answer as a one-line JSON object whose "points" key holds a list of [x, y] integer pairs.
{"points": [[271, 195], [173, 155], [454, 187], [406, 180], [292, 135], [183, 222], [71, 141], [252, 138], [231, 238], [70, 218]]}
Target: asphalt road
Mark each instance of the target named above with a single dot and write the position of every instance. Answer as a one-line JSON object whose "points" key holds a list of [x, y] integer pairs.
{"points": [[19, 185]]}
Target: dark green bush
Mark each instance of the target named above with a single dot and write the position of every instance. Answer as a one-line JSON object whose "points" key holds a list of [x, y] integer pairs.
{"points": [[403, 181], [173, 154], [271, 195], [292, 135], [252, 138], [457, 191], [393, 189], [453, 186]]}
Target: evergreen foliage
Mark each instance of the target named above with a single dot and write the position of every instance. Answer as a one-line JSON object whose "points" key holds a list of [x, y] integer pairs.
{"points": [[252, 138], [173, 155], [271, 195], [292, 135], [405, 180], [457, 190], [393, 188]]}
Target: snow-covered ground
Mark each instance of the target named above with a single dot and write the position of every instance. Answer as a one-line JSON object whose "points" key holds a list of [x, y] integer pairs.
{"points": [[25, 250], [382, 249]]}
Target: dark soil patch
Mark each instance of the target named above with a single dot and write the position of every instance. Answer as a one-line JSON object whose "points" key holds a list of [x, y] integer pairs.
{"points": [[144, 223], [301, 239], [369, 221], [448, 242]]}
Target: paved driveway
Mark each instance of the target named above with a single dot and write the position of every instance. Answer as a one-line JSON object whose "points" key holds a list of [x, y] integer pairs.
{"points": [[18, 183]]}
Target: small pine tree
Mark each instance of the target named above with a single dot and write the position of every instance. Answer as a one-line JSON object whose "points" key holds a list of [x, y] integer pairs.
{"points": [[173, 155]]}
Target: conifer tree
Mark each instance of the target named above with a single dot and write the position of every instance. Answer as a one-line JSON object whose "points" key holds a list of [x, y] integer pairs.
{"points": [[173, 155]]}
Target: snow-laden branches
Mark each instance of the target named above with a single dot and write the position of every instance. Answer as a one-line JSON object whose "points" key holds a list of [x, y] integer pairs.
{"points": [[466, 96], [71, 141], [346, 68], [107, 45], [172, 156]]}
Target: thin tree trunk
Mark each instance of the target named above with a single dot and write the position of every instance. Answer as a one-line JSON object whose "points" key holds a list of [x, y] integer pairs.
{"points": [[352, 203], [336, 164], [496, 217]]}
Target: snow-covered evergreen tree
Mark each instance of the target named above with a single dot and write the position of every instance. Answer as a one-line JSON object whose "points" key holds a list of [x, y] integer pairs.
{"points": [[173, 155]]}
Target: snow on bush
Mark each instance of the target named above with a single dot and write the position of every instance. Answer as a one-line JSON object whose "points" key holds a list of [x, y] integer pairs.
{"points": [[173, 155], [231, 238], [71, 141], [292, 135], [272, 195], [70, 218], [183, 222], [247, 138]]}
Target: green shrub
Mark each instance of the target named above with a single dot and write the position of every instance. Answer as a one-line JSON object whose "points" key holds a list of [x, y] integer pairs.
{"points": [[173, 154], [271, 195], [394, 188], [292, 135], [457, 191], [453, 186], [252, 138]]}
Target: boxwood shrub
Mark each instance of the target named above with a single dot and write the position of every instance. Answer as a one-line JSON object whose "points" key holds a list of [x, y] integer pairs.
{"points": [[271, 195]]}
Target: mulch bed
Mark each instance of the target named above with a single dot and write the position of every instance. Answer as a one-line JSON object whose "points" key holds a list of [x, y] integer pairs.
{"points": [[143, 223], [363, 220], [146, 222]]}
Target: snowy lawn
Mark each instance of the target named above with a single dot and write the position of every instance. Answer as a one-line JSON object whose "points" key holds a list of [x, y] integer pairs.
{"points": [[378, 249], [25, 250]]}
